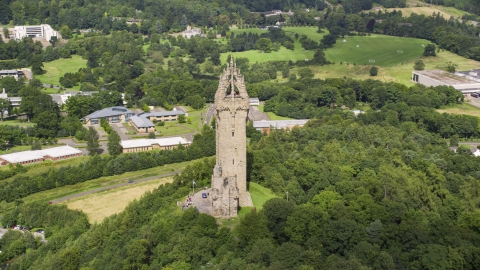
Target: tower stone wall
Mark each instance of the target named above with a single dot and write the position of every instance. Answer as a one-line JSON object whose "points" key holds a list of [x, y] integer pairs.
{"points": [[229, 180]]}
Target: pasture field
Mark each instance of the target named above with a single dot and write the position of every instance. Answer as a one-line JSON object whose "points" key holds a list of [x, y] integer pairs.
{"points": [[99, 205], [463, 108], [56, 69], [419, 7]]}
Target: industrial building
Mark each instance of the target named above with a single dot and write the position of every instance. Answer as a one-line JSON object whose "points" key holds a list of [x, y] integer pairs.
{"points": [[464, 81]]}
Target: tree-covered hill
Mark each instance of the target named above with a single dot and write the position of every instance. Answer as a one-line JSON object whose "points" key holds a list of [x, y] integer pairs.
{"points": [[378, 191]]}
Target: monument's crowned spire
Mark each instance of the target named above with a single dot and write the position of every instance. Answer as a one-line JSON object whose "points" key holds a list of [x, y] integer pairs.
{"points": [[229, 180]]}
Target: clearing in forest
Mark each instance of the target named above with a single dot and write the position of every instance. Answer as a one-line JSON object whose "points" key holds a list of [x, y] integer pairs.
{"points": [[57, 68], [103, 204]]}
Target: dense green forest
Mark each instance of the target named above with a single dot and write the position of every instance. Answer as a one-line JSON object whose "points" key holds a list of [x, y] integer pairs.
{"points": [[381, 190], [361, 196]]}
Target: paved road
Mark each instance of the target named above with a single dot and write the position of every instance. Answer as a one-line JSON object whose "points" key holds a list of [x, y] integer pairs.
{"points": [[210, 112], [112, 187]]}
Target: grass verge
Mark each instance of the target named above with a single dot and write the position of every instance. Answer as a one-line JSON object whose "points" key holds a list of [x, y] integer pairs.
{"points": [[463, 108]]}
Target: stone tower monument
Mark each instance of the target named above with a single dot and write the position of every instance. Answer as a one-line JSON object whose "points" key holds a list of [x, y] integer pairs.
{"points": [[229, 180]]}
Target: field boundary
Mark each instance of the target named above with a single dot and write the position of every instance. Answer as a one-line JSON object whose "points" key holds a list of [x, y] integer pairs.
{"points": [[81, 194]]}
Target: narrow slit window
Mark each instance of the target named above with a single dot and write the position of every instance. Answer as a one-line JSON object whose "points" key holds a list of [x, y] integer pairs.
{"points": [[233, 133], [233, 161]]}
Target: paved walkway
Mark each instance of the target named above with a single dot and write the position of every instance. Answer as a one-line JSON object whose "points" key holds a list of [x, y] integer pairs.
{"points": [[112, 187]]}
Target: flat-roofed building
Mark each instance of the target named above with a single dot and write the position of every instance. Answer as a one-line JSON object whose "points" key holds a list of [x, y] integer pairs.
{"points": [[267, 125], [116, 114], [130, 146], [16, 73], [35, 31], [30, 157], [466, 81]]}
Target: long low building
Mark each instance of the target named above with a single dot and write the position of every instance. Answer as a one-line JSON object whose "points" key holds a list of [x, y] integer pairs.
{"points": [[129, 146], [464, 81], [34, 156], [267, 125]]}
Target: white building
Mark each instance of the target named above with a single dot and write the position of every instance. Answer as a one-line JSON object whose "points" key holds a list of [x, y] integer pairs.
{"points": [[35, 31], [190, 32], [465, 81], [29, 157]]}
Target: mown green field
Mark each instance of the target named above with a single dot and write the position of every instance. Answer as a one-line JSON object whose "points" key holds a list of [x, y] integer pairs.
{"points": [[56, 69], [384, 50]]}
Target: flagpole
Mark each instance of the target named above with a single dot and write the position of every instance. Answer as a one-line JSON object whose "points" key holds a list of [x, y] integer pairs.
{"points": [[193, 187]]}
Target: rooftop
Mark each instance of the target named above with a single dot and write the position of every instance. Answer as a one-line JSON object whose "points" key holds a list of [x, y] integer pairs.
{"points": [[111, 111], [141, 121], [39, 154], [444, 76], [158, 114], [279, 123], [149, 142]]}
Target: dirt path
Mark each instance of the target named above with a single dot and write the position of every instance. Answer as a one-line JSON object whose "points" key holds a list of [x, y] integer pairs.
{"points": [[81, 194]]}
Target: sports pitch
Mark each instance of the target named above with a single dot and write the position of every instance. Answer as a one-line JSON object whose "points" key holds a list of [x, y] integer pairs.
{"points": [[377, 50]]}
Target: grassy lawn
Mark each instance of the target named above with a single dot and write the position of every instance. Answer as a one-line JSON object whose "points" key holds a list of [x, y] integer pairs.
{"points": [[97, 206], [174, 128], [463, 108], [400, 73], [384, 50], [56, 69], [283, 54], [38, 168], [260, 195], [16, 123], [272, 115]]}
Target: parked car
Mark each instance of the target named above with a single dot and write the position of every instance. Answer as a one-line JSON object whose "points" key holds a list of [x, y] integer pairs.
{"points": [[474, 95], [130, 181], [204, 195]]}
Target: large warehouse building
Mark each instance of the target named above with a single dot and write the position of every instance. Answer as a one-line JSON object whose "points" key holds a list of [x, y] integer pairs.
{"points": [[464, 81]]}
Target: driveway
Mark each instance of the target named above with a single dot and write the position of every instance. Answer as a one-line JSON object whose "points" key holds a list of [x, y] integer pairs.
{"points": [[121, 130]]}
